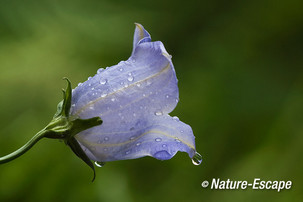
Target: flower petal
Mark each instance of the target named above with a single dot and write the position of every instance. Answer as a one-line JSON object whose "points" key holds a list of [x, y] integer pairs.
{"points": [[141, 35], [144, 84], [158, 136]]}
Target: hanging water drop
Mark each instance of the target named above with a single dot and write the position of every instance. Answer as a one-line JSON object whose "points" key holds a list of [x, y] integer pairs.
{"points": [[103, 94], [121, 69], [197, 159], [99, 164]]}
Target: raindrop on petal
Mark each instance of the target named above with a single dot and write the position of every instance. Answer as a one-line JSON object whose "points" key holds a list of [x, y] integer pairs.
{"points": [[103, 94], [127, 152], [106, 138], [130, 78], [197, 159], [99, 164], [176, 118], [100, 70], [158, 139], [121, 69], [138, 144], [113, 99], [158, 113], [103, 81]]}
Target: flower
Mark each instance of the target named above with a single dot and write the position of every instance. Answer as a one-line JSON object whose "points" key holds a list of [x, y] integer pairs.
{"points": [[134, 99]]}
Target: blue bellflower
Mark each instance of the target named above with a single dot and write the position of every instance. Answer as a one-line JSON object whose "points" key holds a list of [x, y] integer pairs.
{"points": [[134, 99], [122, 112]]}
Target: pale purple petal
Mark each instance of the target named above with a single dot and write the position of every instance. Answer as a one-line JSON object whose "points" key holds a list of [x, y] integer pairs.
{"points": [[159, 136], [140, 36]]}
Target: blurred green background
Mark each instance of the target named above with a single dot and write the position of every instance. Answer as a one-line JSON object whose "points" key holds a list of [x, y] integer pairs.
{"points": [[240, 71]]}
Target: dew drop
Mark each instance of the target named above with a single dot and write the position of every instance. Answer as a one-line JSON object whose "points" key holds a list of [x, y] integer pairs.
{"points": [[130, 78], [106, 138], [127, 152], [73, 105], [164, 145], [177, 140], [158, 113], [91, 108], [121, 69], [89, 84], [99, 164], [143, 95], [132, 138], [138, 144], [197, 159], [103, 81], [177, 100], [79, 84], [93, 88], [103, 94], [138, 84], [126, 85], [89, 78], [176, 118], [167, 96], [100, 70], [158, 139], [133, 60], [181, 131], [113, 99]]}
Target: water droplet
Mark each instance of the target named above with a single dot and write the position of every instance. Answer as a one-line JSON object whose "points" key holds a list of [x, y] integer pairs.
{"points": [[138, 144], [134, 114], [158, 139], [100, 70], [103, 81], [121, 82], [177, 100], [197, 159], [143, 95], [113, 99], [164, 145], [121, 69], [73, 105], [89, 84], [91, 107], [181, 131], [141, 107], [89, 78], [106, 138], [158, 113], [93, 88], [126, 85], [130, 78], [167, 96], [138, 84], [176, 118], [127, 152], [79, 84], [133, 60], [103, 94], [99, 164], [132, 138], [177, 140]]}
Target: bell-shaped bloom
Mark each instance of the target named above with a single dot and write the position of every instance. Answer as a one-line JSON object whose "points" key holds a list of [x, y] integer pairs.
{"points": [[133, 98]]}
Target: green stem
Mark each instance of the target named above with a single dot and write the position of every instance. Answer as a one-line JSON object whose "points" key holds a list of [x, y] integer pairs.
{"points": [[24, 148]]}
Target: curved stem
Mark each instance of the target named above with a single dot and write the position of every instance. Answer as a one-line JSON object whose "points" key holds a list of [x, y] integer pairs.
{"points": [[24, 148]]}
